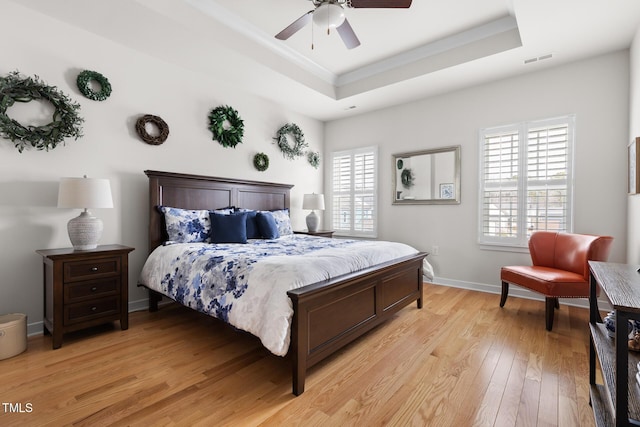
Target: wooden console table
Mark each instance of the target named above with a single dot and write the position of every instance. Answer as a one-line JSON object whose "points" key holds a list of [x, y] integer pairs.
{"points": [[617, 401]]}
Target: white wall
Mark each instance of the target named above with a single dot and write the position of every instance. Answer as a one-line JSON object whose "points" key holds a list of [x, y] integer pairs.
{"points": [[633, 221], [596, 90], [110, 148]]}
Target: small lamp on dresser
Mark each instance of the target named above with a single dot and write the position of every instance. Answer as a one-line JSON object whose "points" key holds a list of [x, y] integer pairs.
{"points": [[85, 193], [313, 202]]}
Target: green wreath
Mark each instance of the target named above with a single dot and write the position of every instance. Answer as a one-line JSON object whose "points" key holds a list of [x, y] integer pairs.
{"points": [[84, 84], [230, 136], [66, 121], [407, 178], [261, 162], [288, 151], [314, 158]]}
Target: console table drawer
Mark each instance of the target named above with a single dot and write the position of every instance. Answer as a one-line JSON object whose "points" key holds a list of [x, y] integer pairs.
{"points": [[91, 309], [91, 269], [81, 291]]}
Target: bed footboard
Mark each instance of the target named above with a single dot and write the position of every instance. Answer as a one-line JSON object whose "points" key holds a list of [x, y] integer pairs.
{"points": [[330, 314]]}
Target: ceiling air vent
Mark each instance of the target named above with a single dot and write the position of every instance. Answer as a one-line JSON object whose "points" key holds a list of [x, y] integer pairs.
{"points": [[539, 58]]}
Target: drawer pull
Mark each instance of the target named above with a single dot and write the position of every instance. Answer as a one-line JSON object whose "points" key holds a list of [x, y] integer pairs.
{"points": [[94, 268], [94, 308], [95, 288]]}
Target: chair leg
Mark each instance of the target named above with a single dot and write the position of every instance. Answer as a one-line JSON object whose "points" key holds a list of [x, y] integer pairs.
{"points": [[557, 304], [505, 292], [550, 307]]}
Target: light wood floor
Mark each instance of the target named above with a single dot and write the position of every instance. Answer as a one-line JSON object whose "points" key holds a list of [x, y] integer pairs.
{"points": [[459, 361]]}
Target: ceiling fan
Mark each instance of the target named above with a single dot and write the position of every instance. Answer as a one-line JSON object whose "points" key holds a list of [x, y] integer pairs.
{"points": [[331, 14]]}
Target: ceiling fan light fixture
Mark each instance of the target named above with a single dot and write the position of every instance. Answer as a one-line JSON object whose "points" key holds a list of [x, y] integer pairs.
{"points": [[329, 14]]}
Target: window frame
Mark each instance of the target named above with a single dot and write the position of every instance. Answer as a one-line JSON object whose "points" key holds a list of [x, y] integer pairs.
{"points": [[520, 241], [352, 231]]}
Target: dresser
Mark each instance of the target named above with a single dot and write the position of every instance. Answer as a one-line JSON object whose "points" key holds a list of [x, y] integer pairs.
{"points": [[84, 288]]}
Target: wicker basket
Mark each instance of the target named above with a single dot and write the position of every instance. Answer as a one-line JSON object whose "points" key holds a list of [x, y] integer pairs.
{"points": [[13, 334]]}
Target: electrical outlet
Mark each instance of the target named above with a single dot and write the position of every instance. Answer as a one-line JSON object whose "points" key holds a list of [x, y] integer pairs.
{"points": [[435, 250]]}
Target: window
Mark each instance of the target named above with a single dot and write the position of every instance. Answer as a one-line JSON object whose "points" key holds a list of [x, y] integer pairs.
{"points": [[525, 180], [353, 192]]}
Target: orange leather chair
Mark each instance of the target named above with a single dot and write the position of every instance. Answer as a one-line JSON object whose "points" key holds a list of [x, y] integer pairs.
{"points": [[560, 268]]}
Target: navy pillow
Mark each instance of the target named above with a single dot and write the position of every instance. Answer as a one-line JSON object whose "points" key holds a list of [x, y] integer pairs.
{"points": [[253, 232], [229, 228], [267, 225]]}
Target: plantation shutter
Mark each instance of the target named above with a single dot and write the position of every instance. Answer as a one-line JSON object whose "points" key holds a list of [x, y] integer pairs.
{"points": [[525, 176], [341, 194], [500, 190], [353, 192]]}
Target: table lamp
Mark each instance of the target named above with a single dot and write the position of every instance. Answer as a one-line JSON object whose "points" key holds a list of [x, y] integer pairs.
{"points": [[313, 202], [84, 230]]}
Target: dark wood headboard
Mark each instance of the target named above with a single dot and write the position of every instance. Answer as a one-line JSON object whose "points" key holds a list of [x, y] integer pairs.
{"points": [[205, 192]]}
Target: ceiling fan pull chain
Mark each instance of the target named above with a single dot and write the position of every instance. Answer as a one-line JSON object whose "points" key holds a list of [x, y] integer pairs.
{"points": [[328, 20]]}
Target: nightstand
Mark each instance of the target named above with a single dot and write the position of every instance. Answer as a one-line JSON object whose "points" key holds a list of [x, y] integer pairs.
{"points": [[85, 288], [321, 233]]}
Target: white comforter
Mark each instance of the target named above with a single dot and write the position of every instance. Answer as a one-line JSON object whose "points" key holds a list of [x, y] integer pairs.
{"points": [[246, 284]]}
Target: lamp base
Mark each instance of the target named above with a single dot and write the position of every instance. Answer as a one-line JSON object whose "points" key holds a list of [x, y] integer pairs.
{"points": [[84, 231], [312, 222]]}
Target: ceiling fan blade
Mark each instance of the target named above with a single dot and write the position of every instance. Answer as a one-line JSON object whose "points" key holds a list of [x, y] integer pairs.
{"points": [[380, 3], [348, 36], [295, 26]]}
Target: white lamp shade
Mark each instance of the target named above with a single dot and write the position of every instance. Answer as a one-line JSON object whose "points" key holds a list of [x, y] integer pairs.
{"points": [[84, 193], [313, 202], [328, 14]]}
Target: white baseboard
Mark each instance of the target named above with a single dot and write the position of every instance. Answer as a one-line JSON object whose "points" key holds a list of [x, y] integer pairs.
{"points": [[518, 292]]}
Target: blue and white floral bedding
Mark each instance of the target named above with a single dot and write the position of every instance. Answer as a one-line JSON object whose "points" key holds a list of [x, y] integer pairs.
{"points": [[246, 284]]}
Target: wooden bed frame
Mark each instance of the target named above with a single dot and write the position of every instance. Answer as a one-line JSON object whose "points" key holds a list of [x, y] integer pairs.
{"points": [[328, 314]]}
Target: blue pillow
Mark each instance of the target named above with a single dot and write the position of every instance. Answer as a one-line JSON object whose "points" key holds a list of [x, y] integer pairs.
{"points": [[267, 225], [229, 228], [253, 232]]}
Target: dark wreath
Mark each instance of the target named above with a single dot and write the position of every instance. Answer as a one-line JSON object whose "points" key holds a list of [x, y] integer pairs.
{"points": [[84, 85], [163, 129], [261, 162], [66, 122]]}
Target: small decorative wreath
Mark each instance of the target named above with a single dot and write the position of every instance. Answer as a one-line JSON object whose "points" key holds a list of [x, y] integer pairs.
{"points": [[84, 84], [66, 121], [163, 129], [299, 145], [230, 136], [314, 158], [261, 162], [407, 178]]}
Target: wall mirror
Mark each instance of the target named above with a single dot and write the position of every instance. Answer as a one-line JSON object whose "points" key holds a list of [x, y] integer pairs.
{"points": [[427, 177]]}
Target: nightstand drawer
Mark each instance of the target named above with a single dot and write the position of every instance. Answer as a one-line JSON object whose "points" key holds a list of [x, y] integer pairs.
{"points": [[91, 269], [82, 312], [81, 291]]}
